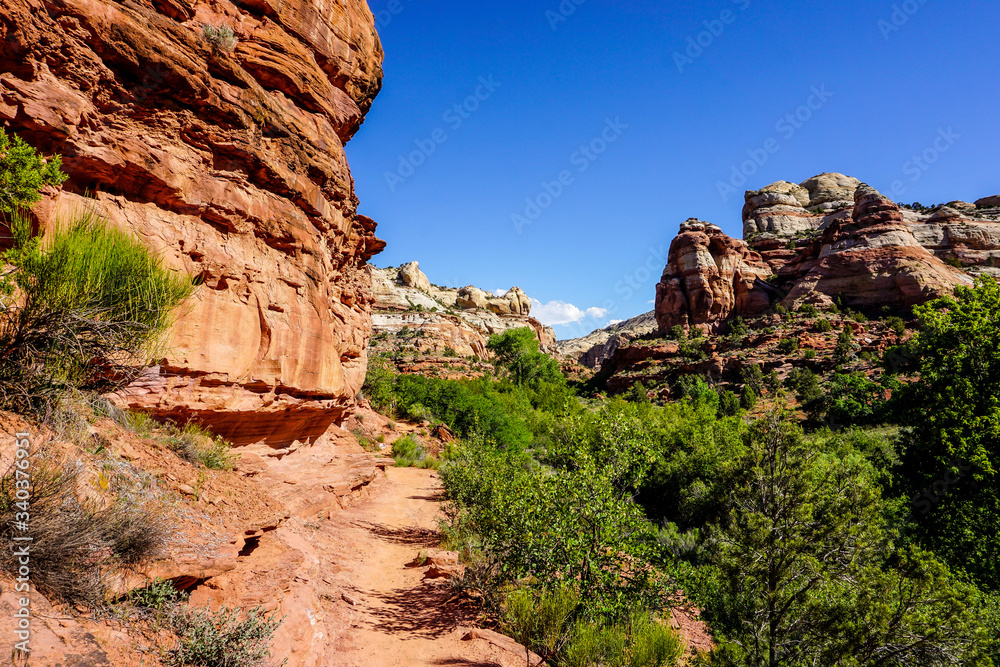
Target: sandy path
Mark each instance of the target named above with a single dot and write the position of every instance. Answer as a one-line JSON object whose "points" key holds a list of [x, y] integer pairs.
{"points": [[399, 618]]}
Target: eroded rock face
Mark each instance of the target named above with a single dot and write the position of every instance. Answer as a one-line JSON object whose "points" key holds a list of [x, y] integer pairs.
{"points": [[439, 320], [870, 261], [709, 276], [232, 166], [411, 276]]}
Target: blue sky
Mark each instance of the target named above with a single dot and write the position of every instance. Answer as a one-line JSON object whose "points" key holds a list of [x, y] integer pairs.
{"points": [[586, 131]]}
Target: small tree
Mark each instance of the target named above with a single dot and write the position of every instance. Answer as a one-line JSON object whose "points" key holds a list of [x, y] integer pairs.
{"points": [[516, 354], [23, 173]]}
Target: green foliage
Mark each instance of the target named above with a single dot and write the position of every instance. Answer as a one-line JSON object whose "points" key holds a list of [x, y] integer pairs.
{"points": [[952, 453], [547, 623], [809, 310], [516, 354], [407, 452], [753, 377], [788, 345], [729, 403], [157, 596], [573, 522], [823, 325], [449, 352], [637, 393], [676, 333], [224, 638], [91, 306], [748, 398], [199, 446], [896, 325], [379, 386], [803, 556], [222, 38], [738, 328], [471, 408], [23, 173], [809, 354], [844, 350]]}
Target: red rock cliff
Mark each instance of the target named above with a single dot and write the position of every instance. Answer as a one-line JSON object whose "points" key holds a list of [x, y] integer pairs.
{"points": [[229, 162]]}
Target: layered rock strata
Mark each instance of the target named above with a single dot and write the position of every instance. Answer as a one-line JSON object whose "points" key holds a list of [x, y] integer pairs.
{"points": [[227, 158]]}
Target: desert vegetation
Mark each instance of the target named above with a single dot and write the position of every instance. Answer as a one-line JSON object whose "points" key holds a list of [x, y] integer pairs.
{"points": [[836, 519]]}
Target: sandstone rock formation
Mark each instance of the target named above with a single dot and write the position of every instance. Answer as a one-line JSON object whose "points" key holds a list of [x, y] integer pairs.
{"points": [[870, 261], [232, 166], [709, 277], [989, 202], [472, 298], [514, 302], [411, 276]]}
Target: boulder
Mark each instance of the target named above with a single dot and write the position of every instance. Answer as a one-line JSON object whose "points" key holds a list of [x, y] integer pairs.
{"points": [[411, 276], [472, 298]]}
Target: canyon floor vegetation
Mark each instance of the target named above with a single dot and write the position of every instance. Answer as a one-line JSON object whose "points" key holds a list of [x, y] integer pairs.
{"points": [[874, 544]]}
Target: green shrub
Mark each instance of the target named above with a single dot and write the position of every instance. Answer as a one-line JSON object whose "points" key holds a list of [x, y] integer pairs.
{"points": [[748, 398], [788, 345], [224, 638], [809, 354], [222, 38], [676, 333], [23, 173], [738, 328], [896, 325], [407, 452], [540, 621], [157, 596], [449, 352], [824, 326], [729, 403], [808, 310], [92, 305], [198, 446], [845, 348], [379, 386]]}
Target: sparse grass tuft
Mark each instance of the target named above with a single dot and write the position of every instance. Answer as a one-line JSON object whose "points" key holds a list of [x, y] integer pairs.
{"points": [[225, 638], [222, 38]]}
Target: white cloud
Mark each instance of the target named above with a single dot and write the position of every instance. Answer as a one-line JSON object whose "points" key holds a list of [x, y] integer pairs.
{"points": [[614, 322], [499, 292], [651, 301], [559, 312]]}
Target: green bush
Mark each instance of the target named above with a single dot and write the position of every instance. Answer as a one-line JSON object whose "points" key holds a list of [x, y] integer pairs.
{"points": [[23, 173], [91, 306], [516, 355], [222, 38], [748, 398], [224, 638], [407, 452], [823, 325], [199, 446], [788, 345], [896, 325], [676, 333], [808, 310], [845, 347], [157, 596], [729, 403], [379, 386]]}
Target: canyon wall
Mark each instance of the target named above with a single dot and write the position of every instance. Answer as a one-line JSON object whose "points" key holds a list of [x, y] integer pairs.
{"points": [[227, 158]]}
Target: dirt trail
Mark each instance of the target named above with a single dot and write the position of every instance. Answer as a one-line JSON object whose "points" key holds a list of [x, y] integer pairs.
{"points": [[399, 618]]}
